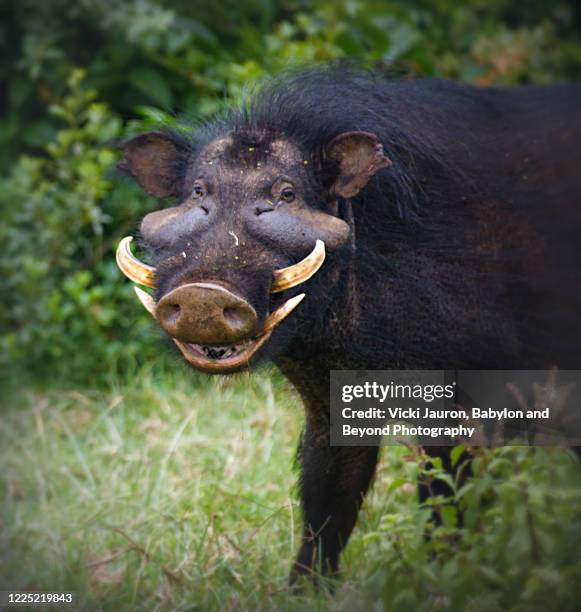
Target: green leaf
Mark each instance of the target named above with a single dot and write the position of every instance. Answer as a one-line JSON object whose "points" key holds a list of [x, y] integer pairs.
{"points": [[396, 484], [449, 516], [447, 478], [456, 454]]}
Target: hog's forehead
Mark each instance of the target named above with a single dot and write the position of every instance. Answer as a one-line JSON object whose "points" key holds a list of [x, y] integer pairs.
{"points": [[254, 150]]}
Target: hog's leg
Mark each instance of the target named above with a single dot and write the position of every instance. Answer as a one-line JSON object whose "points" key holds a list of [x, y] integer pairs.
{"points": [[333, 483]]}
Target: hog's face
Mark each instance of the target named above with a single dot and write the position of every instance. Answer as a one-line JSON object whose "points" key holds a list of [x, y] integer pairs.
{"points": [[254, 220]]}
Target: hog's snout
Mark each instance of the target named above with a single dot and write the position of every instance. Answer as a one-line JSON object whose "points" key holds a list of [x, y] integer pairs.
{"points": [[205, 313]]}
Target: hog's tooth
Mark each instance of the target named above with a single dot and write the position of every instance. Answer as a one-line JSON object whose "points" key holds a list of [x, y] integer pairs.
{"points": [[146, 299], [274, 318], [134, 269], [285, 278]]}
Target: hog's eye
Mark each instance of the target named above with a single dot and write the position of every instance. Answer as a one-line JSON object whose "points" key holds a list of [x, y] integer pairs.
{"points": [[287, 194], [198, 191]]}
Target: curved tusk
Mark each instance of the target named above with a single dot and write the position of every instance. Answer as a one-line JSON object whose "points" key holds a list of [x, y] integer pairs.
{"points": [[146, 299], [134, 269], [274, 318], [285, 278]]}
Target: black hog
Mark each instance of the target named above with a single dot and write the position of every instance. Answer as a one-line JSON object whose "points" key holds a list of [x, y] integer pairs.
{"points": [[450, 217]]}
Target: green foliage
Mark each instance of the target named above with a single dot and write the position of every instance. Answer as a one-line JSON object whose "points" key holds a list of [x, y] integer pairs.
{"points": [[64, 307], [80, 75], [515, 550]]}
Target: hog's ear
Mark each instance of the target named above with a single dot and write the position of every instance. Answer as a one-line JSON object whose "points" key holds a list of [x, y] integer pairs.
{"points": [[154, 160], [358, 156]]}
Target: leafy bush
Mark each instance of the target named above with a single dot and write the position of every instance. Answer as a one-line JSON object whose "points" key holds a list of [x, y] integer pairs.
{"points": [[65, 308], [81, 75]]}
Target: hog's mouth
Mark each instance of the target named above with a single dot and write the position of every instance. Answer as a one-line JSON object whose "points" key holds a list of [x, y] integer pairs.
{"points": [[222, 359], [220, 353], [225, 358]]}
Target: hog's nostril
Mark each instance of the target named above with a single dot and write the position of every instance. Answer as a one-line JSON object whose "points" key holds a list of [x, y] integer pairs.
{"points": [[170, 313], [235, 317], [174, 311]]}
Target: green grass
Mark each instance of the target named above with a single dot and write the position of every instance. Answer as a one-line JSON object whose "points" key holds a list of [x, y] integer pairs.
{"points": [[175, 492]]}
